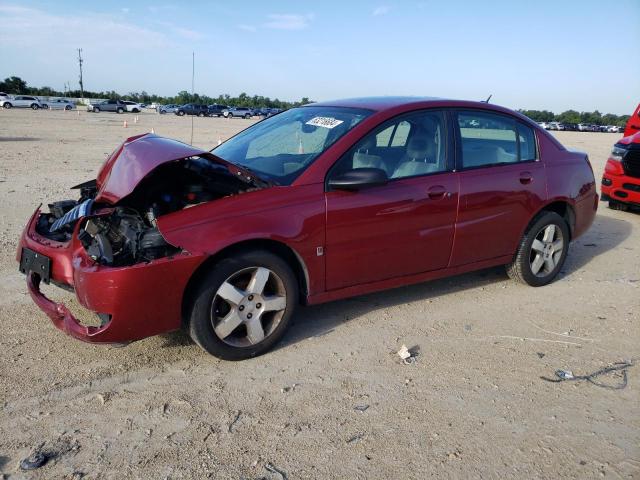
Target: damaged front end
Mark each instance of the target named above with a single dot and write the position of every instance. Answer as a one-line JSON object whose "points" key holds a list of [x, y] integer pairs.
{"points": [[118, 217], [107, 247]]}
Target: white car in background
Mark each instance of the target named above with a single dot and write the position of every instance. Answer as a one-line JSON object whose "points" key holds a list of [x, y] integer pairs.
{"points": [[21, 101], [544, 125], [132, 107], [59, 104]]}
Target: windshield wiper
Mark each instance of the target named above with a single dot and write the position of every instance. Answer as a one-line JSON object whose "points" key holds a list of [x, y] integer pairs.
{"points": [[254, 176]]}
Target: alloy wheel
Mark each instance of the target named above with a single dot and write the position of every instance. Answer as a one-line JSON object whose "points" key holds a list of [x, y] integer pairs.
{"points": [[248, 306], [546, 250]]}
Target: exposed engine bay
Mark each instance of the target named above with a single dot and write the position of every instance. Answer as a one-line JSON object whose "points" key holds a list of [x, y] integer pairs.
{"points": [[126, 233]]}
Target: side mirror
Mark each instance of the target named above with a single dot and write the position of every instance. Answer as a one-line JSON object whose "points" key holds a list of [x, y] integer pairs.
{"points": [[359, 178]]}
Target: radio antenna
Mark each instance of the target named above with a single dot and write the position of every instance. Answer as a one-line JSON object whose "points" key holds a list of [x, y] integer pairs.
{"points": [[193, 76], [487, 100]]}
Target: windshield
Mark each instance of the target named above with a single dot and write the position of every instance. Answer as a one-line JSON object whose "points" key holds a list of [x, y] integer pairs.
{"points": [[280, 148]]}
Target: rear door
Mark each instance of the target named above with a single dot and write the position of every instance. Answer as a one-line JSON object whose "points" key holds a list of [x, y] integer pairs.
{"points": [[403, 227], [502, 183]]}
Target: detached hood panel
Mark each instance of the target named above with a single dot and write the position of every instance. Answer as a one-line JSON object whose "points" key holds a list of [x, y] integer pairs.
{"points": [[134, 160]]}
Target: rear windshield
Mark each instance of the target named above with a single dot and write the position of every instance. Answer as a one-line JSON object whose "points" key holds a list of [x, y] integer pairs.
{"points": [[281, 147]]}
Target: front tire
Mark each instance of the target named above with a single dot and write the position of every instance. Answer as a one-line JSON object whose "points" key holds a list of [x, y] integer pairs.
{"points": [[244, 305], [120, 110], [68, 107], [96, 109], [7, 105], [35, 106], [542, 250]]}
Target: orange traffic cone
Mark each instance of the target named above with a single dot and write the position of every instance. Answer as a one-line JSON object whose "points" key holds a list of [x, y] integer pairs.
{"points": [[125, 124], [219, 140], [153, 131]]}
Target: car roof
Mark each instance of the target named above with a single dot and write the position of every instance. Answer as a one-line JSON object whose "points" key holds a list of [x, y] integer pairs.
{"points": [[406, 102]]}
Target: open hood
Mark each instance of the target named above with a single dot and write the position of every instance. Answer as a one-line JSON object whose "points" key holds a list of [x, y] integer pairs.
{"points": [[134, 160]]}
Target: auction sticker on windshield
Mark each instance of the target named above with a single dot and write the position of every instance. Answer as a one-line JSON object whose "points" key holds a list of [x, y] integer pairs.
{"points": [[326, 122]]}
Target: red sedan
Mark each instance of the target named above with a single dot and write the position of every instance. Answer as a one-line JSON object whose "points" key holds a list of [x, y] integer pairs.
{"points": [[314, 204]]}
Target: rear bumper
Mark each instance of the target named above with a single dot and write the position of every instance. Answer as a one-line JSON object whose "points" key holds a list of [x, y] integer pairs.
{"points": [[138, 301], [621, 188]]}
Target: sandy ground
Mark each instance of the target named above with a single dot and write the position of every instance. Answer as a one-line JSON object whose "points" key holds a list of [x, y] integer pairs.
{"points": [[472, 405]]}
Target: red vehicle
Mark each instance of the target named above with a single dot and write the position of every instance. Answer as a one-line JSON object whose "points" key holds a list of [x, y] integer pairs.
{"points": [[621, 178], [314, 204]]}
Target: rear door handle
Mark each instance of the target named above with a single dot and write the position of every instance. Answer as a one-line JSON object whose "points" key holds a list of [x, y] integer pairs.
{"points": [[437, 192], [526, 178]]}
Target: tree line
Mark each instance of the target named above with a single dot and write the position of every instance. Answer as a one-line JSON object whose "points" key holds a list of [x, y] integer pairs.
{"points": [[573, 116], [17, 86]]}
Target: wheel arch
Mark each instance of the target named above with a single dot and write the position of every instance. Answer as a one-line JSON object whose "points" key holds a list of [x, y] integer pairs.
{"points": [[278, 248], [562, 208]]}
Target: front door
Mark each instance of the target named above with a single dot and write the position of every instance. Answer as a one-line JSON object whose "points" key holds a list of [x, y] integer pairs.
{"points": [[403, 227]]}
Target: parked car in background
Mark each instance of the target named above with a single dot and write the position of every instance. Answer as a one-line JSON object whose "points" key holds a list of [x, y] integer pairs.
{"points": [[571, 127], [544, 125], [583, 127], [192, 109], [318, 203], [216, 110], [132, 107], [243, 112], [4, 96], [111, 105], [170, 108], [59, 104], [21, 101]]}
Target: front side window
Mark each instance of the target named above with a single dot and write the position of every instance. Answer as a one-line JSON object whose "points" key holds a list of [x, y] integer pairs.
{"points": [[492, 139], [408, 146], [281, 147]]}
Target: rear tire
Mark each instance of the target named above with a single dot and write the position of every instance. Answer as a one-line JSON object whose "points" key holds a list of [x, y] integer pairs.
{"points": [[542, 250], [68, 107], [120, 110], [181, 114], [230, 115], [201, 114], [221, 319], [35, 106]]}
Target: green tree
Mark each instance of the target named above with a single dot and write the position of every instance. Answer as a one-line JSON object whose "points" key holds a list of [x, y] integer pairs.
{"points": [[14, 85]]}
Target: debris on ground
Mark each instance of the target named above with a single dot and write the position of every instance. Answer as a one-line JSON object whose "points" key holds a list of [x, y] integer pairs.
{"points": [[235, 420], [407, 355], [34, 461], [273, 469], [568, 375], [361, 408], [356, 438]]}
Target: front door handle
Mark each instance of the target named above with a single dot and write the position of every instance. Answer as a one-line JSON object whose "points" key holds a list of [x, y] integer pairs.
{"points": [[436, 192], [526, 178]]}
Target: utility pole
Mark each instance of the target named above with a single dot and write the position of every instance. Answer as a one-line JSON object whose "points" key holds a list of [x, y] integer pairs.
{"points": [[80, 64]]}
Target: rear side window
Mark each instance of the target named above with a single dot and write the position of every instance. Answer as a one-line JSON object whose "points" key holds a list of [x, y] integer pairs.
{"points": [[527, 140], [492, 139]]}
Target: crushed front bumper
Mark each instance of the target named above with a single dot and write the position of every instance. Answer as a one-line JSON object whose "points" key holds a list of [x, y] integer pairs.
{"points": [[137, 301]]}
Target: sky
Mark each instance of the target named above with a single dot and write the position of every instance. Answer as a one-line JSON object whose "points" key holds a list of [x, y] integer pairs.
{"points": [[553, 55]]}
